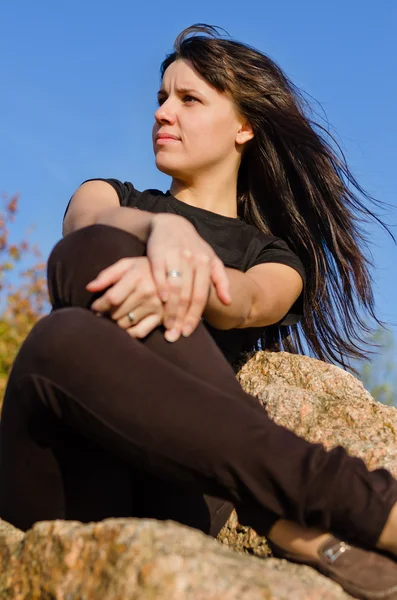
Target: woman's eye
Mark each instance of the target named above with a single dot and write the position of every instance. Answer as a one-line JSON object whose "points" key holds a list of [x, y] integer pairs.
{"points": [[186, 98], [190, 98]]}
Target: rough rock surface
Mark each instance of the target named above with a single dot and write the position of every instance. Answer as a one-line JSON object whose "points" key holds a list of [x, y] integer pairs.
{"points": [[323, 404], [142, 559], [149, 559]]}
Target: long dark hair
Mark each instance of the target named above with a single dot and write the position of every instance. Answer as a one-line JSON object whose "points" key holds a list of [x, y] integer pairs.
{"points": [[291, 184]]}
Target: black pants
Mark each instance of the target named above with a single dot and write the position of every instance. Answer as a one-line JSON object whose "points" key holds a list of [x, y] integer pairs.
{"points": [[97, 424]]}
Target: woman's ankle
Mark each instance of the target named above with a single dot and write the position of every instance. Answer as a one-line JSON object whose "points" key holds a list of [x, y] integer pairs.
{"points": [[297, 539], [306, 541]]}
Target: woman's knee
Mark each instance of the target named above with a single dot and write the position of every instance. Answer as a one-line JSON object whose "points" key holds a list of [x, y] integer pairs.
{"points": [[53, 341], [80, 256], [96, 241]]}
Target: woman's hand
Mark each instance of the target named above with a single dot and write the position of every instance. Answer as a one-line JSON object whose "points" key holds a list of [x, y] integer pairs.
{"points": [[175, 245], [133, 289]]}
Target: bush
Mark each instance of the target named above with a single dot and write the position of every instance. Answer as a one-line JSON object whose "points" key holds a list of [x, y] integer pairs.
{"points": [[22, 303]]}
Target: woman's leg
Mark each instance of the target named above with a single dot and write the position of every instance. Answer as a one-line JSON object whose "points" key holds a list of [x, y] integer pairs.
{"points": [[77, 258], [185, 430], [90, 375], [158, 498], [74, 261]]}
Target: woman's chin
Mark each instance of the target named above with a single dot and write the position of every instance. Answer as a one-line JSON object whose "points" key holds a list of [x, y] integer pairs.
{"points": [[167, 169]]}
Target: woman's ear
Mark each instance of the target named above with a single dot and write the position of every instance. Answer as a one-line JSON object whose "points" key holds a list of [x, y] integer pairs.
{"points": [[245, 133]]}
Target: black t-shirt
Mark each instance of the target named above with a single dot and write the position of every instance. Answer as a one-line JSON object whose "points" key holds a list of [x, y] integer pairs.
{"points": [[238, 244]]}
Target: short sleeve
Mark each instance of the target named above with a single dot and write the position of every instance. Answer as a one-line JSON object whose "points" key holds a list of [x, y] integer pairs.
{"points": [[277, 251], [128, 195]]}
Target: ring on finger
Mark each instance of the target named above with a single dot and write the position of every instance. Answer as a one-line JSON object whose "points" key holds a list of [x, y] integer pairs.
{"points": [[131, 317], [174, 273]]}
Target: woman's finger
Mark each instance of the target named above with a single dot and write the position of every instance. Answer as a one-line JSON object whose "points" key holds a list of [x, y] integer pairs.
{"points": [[117, 294], [140, 304], [175, 285], [185, 298], [130, 306], [145, 326], [174, 313], [157, 264], [132, 302], [199, 298], [110, 275], [139, 313], [221, 281]]}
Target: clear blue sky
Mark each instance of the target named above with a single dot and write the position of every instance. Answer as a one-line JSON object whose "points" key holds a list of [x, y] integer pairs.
{"points": [[79, 80]]}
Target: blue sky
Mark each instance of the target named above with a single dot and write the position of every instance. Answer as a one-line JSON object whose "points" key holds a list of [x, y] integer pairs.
{"points": [[79, 81]]}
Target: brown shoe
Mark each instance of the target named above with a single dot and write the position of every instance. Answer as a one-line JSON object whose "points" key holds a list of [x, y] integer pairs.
{"points": [[364, 574]]}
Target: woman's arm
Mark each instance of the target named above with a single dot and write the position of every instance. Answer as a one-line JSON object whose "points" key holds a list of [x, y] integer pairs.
{"points": [[261, 296], [133, 220], [96, 202]]}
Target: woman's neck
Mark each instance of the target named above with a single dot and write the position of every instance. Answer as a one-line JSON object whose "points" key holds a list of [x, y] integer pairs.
{"points": [[217, 197]]}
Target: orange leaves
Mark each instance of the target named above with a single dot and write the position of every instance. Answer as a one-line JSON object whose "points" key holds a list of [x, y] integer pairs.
{"points": [[23, 302], [14, 252], [12, 205]]}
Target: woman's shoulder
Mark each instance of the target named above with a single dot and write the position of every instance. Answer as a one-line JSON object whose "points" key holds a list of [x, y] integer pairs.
{"points": [[131, 196], [268, 248]]}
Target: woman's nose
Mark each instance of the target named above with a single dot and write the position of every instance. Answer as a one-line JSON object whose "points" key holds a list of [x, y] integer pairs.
{"points": [[165, 113]]}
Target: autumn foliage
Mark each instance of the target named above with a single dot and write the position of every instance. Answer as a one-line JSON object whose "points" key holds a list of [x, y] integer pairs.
{"points": [[23, 294]]}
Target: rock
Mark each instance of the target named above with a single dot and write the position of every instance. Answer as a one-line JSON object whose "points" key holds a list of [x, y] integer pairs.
{"points": [[9, 533], [142, 559], [149, 559], [242, 538], [323, 404]]}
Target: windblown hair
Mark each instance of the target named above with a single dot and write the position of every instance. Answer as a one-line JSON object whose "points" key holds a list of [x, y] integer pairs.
{"points": [[291, 184]]}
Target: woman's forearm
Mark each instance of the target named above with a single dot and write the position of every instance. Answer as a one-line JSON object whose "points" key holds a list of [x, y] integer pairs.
{"points": [[217, 314], [235, 314], [133, 220]]}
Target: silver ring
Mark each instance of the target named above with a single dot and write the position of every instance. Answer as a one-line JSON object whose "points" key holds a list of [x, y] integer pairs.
{"points": [[174, 273], [131, 317]]}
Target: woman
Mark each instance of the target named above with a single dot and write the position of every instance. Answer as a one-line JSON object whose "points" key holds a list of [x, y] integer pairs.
{"points": [[97, 423]]}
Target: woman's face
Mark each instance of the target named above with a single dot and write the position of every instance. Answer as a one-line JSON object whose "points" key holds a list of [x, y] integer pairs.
{"points": [[203, 120]]}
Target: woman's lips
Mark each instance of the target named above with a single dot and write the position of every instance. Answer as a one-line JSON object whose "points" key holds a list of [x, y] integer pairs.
{"points": [[165, 140]]}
